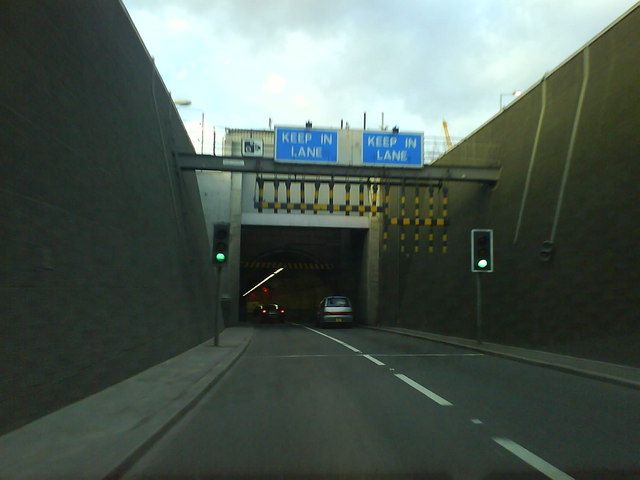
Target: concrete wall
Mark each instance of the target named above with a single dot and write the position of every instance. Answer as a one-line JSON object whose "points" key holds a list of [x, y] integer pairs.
{"points": [[585, 302], [104, 266]]}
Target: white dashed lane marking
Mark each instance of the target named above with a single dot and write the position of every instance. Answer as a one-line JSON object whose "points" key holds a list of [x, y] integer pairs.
{"points": [[532, 459], [425, 391], [374, 360]]}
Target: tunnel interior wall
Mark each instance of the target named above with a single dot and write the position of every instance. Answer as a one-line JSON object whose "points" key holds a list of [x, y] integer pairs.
{"points": [[104, 260], [585, 301]]}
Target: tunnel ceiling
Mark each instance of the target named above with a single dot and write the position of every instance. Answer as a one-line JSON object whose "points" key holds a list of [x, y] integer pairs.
{"points": [[291, 244]]}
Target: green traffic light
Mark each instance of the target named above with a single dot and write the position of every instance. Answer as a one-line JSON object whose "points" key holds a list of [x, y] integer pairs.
{"points": [[220, 257], [482, 263]]}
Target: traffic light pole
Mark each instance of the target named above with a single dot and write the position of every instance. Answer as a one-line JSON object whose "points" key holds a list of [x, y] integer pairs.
{"points": [[216, 307], [478, 309]]}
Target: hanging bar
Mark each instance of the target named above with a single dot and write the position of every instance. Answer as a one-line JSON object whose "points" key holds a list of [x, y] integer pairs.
{"points": [[445, 213], [316, 195], [260, 181], [385, 217], [331, 184], [287, 184], [431, 203], [374, 200], [445, 202], [489, 174], [416, 220], [303, 199], [404, 220]]}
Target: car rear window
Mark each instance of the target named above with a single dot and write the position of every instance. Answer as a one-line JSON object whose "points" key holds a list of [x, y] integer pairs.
{"points": [[338, 302]]}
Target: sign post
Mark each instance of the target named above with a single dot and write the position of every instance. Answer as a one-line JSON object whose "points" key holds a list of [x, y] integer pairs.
{"points": [[216, 313], [478, 309], [481, 262], [219, 254]]}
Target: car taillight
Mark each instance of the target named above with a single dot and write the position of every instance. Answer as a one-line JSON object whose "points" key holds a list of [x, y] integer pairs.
{"points": [[282, 310], [263, 311]]}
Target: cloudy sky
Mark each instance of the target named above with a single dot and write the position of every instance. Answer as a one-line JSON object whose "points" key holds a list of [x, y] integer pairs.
{"points": [[242, 62]]}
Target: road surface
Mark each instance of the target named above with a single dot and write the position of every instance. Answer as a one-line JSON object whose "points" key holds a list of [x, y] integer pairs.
{"points": [[358, 403]]}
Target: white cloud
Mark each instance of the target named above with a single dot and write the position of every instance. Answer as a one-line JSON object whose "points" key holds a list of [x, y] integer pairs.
{"points": [[177, 25], [274, 84], [417, 61]]}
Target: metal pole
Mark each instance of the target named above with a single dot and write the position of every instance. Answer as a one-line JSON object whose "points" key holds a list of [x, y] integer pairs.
{"points": [[216, 303], [478, 309], [202, 135], [398, 261]]}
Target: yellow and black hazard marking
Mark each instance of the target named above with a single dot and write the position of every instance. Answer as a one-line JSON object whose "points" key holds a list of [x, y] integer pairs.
{"points": [[416, 221], [316, 207], [287, 265], [419, 222], [430, 206], [405, 222], [445, 213]]}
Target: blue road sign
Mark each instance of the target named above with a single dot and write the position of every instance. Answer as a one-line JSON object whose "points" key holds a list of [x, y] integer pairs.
{"points": [[392, 149], [306, 145]]}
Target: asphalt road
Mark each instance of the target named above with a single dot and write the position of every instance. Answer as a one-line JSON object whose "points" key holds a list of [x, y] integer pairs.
{"points": [[370, 404]]}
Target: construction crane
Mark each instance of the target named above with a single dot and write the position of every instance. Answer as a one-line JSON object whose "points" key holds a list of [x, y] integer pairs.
{"points": [[447, 137]]}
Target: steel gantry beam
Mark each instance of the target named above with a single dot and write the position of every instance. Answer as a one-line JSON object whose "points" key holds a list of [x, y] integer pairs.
{"points": [[191, 161]]}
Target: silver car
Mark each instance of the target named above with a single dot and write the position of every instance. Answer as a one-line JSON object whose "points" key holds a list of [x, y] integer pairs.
{"points": [[334, 310]]}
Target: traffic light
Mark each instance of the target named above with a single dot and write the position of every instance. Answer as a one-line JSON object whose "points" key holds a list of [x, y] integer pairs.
{"points": [[220, 242], [481, 250]]}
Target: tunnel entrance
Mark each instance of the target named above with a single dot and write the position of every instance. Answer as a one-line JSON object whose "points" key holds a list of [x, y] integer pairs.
{"points": [[316, 262]]}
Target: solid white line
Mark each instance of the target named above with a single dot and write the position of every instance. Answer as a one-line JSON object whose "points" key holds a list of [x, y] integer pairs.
{"points": [[532, 459], [334, 339], [374, 360], [435, 397]]}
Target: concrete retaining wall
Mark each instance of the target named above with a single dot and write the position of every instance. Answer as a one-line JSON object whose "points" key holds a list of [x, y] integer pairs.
{"points": [[104, 260], [584, 302]]}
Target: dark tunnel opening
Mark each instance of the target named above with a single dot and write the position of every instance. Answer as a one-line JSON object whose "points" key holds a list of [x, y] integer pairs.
{"points": [[316, 262]]}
